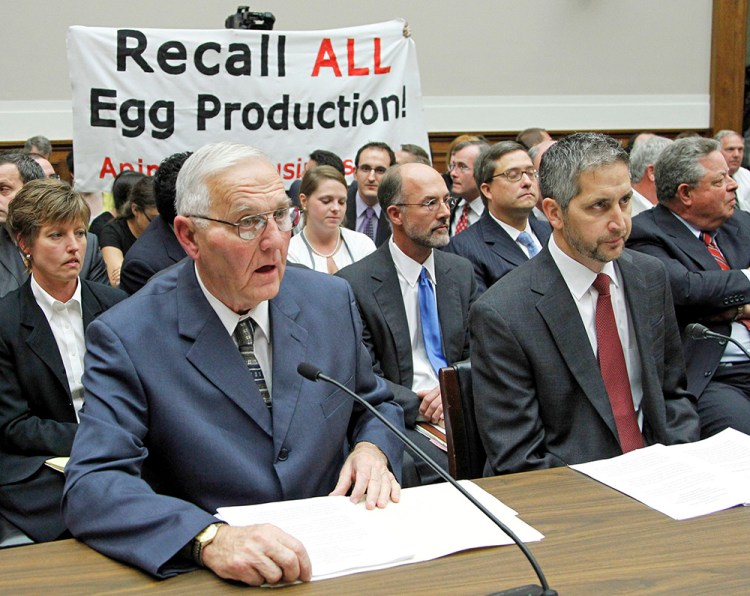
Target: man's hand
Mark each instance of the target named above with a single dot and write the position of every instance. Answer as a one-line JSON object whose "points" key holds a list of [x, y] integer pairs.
{"points": [[431, 406], [256, 555], [367, 468]]}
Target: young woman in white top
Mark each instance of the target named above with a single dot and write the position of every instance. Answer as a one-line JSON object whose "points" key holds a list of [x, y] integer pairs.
{"points": [[324, 245]]}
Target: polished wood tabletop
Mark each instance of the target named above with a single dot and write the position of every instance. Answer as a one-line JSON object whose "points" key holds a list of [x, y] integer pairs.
{"points": [[596, 541]]}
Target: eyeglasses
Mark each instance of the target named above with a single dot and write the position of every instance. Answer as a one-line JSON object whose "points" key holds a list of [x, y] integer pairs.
{"points": [[54, 177], [461, 167], [432, 204], [515, 175], [365, 169], [252, 226]]}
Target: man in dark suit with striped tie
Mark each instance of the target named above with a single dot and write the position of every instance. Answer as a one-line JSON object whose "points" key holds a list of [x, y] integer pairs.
{"points": [[704, 240], [507, 234]]}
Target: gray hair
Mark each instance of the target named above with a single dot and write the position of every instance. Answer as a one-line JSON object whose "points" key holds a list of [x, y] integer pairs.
{"points": [[484, 165], [390, 188], [28, 168], [725, 133], [679, 164], [40, 142], [564, 162], [645, 153], [192, 192]]}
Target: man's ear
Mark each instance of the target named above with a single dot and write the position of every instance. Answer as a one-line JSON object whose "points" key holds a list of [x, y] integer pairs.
{"points": [[553, 213], [684, 194], [650, 172], [395, 215], [184, 229]]}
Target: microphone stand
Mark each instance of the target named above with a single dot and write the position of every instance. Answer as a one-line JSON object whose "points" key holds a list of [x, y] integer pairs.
{"points": [[312, 373]]}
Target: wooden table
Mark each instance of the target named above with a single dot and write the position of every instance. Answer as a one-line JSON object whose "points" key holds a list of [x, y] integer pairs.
{"points": [[597, 541]]}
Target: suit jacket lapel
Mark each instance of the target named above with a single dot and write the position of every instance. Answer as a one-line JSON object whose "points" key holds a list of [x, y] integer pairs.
{"points": [[557, 308], [449, 310], [684, 238], [387, 293], [734, 244], [499, 242], [213, 352], [40, 339]]}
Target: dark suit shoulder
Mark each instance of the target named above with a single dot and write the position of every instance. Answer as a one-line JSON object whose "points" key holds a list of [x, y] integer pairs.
{"points": [[464, 244], [105, 294], [446, 259]]}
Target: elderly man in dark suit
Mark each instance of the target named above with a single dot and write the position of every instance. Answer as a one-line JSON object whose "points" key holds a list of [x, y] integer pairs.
{"points": [[193, 400], [157, 248], [576, 354], [507, 234], [16, 169], [390, 285], [701, 236]]}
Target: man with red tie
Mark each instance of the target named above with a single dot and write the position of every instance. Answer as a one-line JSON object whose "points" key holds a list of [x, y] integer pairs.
{"points": [[576, 352], [470, 204], [703, 239]]}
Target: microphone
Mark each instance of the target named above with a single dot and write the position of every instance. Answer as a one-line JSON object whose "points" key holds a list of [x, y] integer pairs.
{"points": [[698, 331], [313, 373]]}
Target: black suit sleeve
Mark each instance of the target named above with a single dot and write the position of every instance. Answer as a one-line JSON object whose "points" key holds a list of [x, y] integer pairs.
{"points": [[94, 268]]}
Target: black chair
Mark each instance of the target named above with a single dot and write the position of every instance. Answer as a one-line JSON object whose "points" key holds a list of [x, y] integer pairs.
{"points": [[10, 535], [466, 455]]}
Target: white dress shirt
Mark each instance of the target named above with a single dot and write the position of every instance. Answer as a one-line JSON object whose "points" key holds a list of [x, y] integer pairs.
{"points": [[408, 271], [742, 178], [514, 234], [66, 322], [476, 208], [579, 280]]}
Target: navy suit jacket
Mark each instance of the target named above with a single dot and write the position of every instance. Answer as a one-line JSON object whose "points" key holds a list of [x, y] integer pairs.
{"points": [[350, 221], [13, 272], [156, 249], [699, 286], [386, 332], [37, 418], [540, 400], [491, 250], [174, 425]]}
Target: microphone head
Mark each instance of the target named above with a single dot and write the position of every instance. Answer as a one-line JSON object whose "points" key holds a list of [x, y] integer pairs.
{"points": [[309, 371], [696, 331]]}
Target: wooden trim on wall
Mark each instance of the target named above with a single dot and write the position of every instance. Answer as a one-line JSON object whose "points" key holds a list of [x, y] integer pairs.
{"points": [[728, 51]]}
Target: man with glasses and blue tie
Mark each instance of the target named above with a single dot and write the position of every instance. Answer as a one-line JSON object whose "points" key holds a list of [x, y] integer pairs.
{"points": [[363, 212], [193, 400], [415, 301], [507, 234]]}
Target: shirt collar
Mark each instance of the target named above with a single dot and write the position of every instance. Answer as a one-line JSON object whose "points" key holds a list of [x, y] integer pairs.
{"points": [[47, 302], [578, 277], [408, 267], [229, 318], [510, 230], [362, 206], [696, 231]]}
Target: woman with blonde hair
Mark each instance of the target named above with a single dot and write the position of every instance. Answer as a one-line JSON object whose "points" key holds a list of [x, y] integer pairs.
{"points": [[324, 244]]}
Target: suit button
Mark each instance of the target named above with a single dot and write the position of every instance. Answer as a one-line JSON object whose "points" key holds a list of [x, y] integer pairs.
{"points": [[707, 373], [283, 454]]}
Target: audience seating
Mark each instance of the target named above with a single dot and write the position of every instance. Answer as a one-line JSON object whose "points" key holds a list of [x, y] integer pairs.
{"points": [[466, 456]]}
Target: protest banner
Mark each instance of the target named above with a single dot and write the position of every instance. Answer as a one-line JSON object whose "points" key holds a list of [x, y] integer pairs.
{"points": [[140, 95]]}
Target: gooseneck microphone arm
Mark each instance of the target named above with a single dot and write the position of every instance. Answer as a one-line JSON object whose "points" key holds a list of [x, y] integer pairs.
{"points": [[313, 373], [698, 331]]}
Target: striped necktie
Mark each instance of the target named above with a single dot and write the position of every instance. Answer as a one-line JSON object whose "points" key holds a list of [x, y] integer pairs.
{"points": [[721, 261], [463, 220], [243, 335]]}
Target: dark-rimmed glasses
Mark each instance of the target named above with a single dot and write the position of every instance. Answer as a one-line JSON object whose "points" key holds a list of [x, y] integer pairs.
{"points": [[516, 174]]}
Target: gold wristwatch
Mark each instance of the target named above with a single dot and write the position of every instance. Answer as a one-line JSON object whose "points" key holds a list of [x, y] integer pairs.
{"points": [[202, 540]]}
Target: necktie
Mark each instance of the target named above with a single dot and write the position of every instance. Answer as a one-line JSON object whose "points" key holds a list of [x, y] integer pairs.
{"points": [[526, 239], [243, 335], [463, 220], [721, 261], [430, 324], [367, 226], [613, 369]]}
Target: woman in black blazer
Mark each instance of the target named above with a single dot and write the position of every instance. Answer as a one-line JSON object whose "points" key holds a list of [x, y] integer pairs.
{"points": [[41, 352]]}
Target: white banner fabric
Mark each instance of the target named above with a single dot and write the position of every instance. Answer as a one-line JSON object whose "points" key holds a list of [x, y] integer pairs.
{"points": [[140, 95]]}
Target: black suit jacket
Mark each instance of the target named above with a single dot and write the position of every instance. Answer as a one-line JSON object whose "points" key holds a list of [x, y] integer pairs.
{"points": [[155, 250], [386, 332], [540, 400], [699, 287], [37, 418], [13, 272], [384, 224], [491, 250]]}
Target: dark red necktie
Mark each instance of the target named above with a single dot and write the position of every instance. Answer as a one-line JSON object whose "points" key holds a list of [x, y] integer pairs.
{"points": [[613, 369], [721, 261], [463, 220]]}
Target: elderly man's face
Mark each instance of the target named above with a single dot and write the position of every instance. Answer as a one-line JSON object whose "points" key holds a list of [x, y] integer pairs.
{"points": [[733, 149], [10, 184], [712, 201], [242, 273]]}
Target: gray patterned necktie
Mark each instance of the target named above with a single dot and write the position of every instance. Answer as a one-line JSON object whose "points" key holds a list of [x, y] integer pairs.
{"points": [[243, 335]]}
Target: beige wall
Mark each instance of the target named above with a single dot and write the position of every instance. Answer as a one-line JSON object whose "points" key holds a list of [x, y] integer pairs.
{"points": [[485, 64]]}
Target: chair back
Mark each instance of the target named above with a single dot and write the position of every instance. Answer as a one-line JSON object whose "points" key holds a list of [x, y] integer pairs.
{"points": [[466, 455]]}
